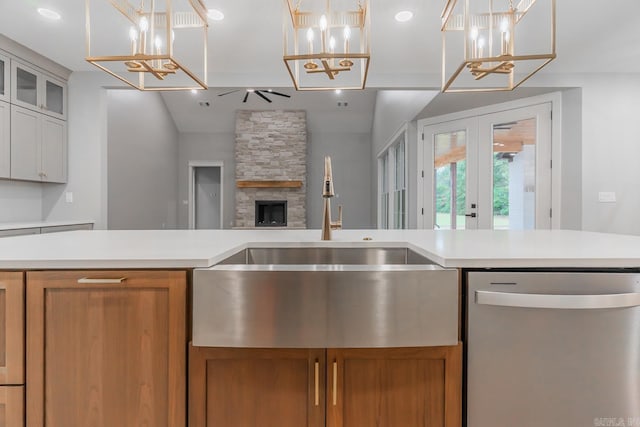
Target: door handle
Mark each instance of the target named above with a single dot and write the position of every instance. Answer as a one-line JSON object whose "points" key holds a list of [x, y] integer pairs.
{"points": [[472, 215], [512, 299]]}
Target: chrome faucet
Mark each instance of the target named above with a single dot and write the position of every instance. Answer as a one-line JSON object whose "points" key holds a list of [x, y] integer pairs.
{"points": [[327, 194]]}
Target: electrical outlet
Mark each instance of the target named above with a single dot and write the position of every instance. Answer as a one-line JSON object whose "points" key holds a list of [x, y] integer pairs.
{"points": [[607, 197]]}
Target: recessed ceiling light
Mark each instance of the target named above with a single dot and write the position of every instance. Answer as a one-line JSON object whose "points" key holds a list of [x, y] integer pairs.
{"points": [[215, 14], [194, 91], [338, 91], [49, 14], [404, 16]]}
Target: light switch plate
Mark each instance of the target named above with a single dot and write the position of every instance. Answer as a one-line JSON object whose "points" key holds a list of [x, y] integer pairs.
{"points": [[68, 197], [607, 197]]}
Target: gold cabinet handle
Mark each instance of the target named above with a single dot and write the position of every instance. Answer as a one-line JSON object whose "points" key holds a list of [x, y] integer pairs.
{"points": [[335, 383], [317, 383], [88, 281]]}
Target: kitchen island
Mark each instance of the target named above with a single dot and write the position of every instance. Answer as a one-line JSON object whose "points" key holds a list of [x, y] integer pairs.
{"points": [[108, 321]]}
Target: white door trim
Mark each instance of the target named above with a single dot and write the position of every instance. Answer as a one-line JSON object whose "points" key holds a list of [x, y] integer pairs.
{"points": [[192, 197]]}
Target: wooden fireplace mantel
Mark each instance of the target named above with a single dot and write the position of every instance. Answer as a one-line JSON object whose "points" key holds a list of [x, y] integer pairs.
{"points": [[269, 184]]}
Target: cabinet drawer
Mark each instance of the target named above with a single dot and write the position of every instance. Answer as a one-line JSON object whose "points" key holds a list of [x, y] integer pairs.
{"points": [[12, 406]]}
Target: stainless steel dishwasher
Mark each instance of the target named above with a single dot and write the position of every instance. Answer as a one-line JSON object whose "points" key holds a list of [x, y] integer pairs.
{"points": [[553, 349]]}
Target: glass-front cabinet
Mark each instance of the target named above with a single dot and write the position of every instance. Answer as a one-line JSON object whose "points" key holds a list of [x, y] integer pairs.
{"points": [[38, 91], [4, 79]]}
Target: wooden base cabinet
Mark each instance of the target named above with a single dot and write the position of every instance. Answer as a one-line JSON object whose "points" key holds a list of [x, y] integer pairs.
{"points": [[12, 406], [106, 348], [256, 387], [397, 387], [11, 328], [408, 387]]}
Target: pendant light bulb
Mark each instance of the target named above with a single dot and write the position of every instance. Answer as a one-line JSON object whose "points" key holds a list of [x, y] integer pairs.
{"points": [[158, 43], [473, 33], [347, 32], [504, 25], [133, 34], [144, 24], [332, 43], [310, 35], [323, 23]]}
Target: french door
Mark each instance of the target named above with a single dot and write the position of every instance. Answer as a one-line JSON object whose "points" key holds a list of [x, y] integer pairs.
{"points": [[490, 172]]}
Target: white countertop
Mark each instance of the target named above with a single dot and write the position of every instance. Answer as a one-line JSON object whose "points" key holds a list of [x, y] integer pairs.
{"points": [[39, 224], [201, 248]]}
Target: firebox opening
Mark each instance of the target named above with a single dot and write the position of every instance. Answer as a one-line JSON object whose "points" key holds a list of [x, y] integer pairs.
{"points": [[271, 213]]}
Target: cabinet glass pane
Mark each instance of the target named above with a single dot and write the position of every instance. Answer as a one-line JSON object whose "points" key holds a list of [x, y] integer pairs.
{"points": [[54, 97], [26, 87], [2, 88]]}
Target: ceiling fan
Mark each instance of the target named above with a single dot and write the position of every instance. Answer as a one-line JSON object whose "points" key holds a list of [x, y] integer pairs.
{"points": [[260, 92]]}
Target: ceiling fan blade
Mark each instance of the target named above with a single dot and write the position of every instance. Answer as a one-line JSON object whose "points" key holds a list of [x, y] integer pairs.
{"points": [[259, 93], [280, 94], [246, 95], [227, 93]]}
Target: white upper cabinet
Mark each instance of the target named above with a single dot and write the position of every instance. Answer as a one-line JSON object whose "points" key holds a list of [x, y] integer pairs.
{"points": [[4, 79], [5, 140], [38, 91]]}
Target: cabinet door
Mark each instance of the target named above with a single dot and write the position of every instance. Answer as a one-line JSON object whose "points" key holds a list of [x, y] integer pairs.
{"points": [[408, 387], [12, 406], [11, 328], [54, 93], [5, 139], [25, 86], [54, 150], [4, 79], [106, 349], [26, 134], [256, 387]]}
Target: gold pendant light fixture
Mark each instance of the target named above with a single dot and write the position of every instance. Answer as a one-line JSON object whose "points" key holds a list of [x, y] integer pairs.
{"points": [[160, 43], [495, 45], [326, 43]]}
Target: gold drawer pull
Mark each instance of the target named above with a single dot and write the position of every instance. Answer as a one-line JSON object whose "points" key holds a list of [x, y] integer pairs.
{"points": [[317, 383], [335, 383], [88, 281]]}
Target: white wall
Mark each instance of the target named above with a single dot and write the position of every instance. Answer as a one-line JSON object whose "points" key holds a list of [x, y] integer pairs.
{"points": [[393, 109], [207, 147], [87, 127], [20, 201], [350, 154], [351, 166], [142, 162]]}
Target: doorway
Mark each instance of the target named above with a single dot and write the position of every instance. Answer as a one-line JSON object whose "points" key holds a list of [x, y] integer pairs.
{"points": [[205, 195], [490, 171]]}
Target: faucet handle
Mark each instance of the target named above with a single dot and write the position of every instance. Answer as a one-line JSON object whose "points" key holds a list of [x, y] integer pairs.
{"points": [[337, 225]]}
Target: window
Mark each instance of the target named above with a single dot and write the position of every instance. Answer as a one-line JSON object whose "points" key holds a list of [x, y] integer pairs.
{"points": [[392, 187]]}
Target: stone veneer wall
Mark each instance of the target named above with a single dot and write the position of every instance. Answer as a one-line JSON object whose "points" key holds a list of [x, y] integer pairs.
{"points": [[271, 145]]}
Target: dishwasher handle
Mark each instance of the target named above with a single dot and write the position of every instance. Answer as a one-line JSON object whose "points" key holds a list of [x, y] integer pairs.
{"points": [[511, 299]]}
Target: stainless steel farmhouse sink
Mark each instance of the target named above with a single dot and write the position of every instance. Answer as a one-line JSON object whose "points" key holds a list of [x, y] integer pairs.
{"points": [[315, 297]]}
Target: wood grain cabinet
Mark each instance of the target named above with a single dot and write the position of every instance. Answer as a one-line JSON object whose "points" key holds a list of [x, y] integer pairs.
{"points": [[256, 387], [11, 349], [106, 348], [399, 387]]}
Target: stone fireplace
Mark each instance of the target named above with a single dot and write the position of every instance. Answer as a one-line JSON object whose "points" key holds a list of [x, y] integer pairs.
{"points": [[271, 166]]}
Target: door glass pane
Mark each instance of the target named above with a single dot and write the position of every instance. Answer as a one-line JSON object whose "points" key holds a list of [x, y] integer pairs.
{"points": [[54, 97], [450, 179], [514, 175], [26, 87], [2, 89]]}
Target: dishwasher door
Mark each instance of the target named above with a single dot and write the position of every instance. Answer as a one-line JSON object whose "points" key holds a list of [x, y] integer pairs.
{"points": [[553, 349]]}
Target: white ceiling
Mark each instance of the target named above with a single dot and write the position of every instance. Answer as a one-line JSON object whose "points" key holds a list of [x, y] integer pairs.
{"points": [[246, 49], [593, 36]]}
